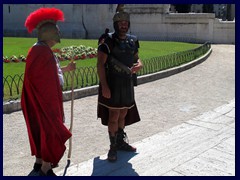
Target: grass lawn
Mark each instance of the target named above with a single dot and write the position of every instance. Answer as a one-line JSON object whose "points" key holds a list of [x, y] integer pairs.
{"points": [[20, 46]]}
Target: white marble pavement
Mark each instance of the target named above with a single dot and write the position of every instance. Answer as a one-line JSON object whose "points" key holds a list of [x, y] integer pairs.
{"points": [[202, 146]]}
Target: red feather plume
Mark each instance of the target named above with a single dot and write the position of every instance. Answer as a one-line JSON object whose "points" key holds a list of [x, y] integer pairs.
{"points": [[43, 14]]}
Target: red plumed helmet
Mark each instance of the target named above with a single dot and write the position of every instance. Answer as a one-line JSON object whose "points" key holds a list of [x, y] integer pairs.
{"points": [[41, 16]]}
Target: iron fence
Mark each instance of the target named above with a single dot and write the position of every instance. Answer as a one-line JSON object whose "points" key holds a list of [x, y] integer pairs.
{"points": [[87, 76]]}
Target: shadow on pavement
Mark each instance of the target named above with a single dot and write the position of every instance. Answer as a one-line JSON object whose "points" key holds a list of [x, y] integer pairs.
{"points": [[102, 167]]}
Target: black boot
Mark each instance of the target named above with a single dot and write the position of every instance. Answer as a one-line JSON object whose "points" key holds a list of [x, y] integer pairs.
{"points": [[49, 173], [122, 143], [37, 167], [112, 153]]}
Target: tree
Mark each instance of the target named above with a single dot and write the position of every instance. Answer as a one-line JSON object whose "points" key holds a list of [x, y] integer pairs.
{"points": [[229, 18], [183, 8], [207, 8]]}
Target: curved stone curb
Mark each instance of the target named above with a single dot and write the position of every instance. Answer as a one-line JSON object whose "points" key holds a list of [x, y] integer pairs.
{"points": [[13, 106]]}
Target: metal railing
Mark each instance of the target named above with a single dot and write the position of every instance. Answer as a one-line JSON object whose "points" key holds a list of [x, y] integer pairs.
{"points": [[160, 63], [87, 76]]}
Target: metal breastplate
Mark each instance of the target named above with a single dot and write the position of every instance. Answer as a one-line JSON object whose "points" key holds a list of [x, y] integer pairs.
{"points": [[123, 51]]}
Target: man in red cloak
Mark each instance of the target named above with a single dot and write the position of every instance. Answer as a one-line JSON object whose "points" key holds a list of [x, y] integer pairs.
{"points": [[41, 100]]}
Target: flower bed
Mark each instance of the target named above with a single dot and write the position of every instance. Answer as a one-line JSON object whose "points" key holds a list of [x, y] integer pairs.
{"points": [[15, 59], [75, 52], [65, 53]]}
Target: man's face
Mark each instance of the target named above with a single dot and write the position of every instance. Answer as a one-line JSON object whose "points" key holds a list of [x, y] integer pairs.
{"points": [[49, 31], [123, 27], [58, 34]]}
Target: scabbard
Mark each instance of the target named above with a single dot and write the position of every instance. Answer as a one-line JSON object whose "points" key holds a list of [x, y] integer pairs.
{"points": [[120, 65]]}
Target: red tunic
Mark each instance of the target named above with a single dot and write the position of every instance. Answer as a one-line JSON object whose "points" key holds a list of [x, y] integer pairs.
{"points": [[42, 105]]}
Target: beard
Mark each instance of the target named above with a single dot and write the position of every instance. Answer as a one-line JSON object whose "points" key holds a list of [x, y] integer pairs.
{"points": [[123, 30]]}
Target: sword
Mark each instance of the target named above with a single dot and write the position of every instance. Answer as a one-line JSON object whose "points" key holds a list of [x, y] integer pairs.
{"points": [[120, 65]]}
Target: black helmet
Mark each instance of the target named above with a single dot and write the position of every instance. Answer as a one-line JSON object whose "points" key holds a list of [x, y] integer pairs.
{"points": [[120, 16]]}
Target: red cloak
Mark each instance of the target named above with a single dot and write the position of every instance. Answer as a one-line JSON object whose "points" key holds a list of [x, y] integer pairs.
{"points": [[42, 105]]}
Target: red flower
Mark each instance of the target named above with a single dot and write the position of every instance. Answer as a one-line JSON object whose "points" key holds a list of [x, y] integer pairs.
{"points": [[6, 60], [56, 50], [83, 57], [76, 57]]}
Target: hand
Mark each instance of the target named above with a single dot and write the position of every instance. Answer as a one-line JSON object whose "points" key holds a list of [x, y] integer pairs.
{"points": [[136, 67], [106, 91]]}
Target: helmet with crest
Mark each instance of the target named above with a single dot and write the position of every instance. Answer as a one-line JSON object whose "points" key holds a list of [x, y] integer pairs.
{"points": [[45, 21]]}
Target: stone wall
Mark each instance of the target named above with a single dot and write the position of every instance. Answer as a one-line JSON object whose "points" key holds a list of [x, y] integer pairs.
{"points": [[223, 32], [148, 22]]}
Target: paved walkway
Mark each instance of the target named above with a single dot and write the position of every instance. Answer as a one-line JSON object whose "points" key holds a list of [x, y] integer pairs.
{"points": [[202, 146], [187, 127]]}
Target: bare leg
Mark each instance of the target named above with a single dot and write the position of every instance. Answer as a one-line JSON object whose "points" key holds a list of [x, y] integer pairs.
{"points": [[45, 167], [38, 160], [37, 165], [122, 143], [121, 120], [113, 121]]}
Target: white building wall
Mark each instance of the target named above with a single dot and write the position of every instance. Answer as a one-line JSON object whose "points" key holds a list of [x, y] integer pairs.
{"points": [[224, 32], [148, 22]]}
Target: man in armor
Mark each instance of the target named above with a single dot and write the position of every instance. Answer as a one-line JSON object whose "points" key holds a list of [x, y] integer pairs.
{"points": [[117, 63], [41, 100]]}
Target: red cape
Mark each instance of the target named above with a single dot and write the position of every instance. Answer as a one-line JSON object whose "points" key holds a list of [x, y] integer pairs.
{"points": [[42, 105]]}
